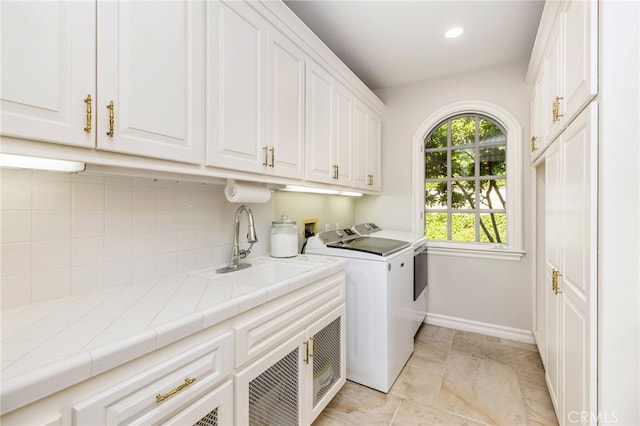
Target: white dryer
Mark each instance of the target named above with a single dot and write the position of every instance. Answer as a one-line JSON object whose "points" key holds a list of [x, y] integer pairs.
{"points": [[379, 296], [419, 242]]}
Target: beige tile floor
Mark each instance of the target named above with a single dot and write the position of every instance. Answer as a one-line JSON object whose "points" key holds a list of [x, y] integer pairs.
{"points": [[453, 378]]}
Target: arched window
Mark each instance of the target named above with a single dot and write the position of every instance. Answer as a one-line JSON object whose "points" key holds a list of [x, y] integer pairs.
{"points": [[465, 159], [468, 181]]}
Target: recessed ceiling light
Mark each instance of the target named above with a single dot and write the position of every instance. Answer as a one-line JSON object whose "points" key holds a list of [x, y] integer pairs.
{"points": [[454, 32]]}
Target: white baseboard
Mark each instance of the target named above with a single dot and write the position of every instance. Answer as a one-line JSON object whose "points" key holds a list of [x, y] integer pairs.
{"points": [[501, 331]]}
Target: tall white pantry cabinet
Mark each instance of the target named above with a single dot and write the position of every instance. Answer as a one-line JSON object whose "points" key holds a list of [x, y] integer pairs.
{"points": [[564, 148]]}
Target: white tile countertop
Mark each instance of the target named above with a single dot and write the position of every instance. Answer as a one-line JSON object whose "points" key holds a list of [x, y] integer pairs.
{"points": [[49, 346]]}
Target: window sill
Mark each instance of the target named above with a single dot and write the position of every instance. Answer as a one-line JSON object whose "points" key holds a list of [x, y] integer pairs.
{"points": [[493, 254]]}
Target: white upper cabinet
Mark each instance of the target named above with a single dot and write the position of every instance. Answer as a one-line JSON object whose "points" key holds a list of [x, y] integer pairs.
{"points": [[158, 79], [567, 75], [65, 63], [255, 97], [581, 55], [236, 86], [366, 161], [319, 112], [48, 70], [285, 107], [343, 134], [151, 79], [330, 128]]}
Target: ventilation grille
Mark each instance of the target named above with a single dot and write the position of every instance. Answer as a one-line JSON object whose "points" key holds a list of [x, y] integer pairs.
{"points": [[210, 419], [326, 359], [273, 395]]}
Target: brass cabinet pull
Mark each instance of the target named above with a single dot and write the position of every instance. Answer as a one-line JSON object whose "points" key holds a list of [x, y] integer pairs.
{"points": [[335, 171], [533, 143], [88, 102], [555, 115], [265, 151], [554, 281], [110, 107], [187, 382], [272, 150], [369, 179], [309, 349]]}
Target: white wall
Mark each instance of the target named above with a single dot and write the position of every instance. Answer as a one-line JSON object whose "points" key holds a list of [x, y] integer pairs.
{"points": [[487, 291], [619, 215], [328, 209], [66, 233]]}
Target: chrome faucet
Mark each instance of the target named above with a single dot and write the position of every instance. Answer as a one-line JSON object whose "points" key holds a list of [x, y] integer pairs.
{"points": [[236, 252]]}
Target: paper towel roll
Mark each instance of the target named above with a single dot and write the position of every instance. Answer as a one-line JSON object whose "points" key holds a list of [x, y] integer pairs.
{"points": [[246, 193]]}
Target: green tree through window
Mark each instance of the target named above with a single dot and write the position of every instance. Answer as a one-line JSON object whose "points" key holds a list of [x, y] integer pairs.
{"points": [[465, 180]]}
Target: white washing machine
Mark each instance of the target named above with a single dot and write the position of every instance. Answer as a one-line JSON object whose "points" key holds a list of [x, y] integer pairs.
{"points": [[419, 307], [379, 294]]}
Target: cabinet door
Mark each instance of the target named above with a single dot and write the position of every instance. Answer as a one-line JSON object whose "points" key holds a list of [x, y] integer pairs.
{"points": [[374, 128], [571, 223], [150, 65], [320, 150], [581, 54], [269, 390], [328, 347], [342, 125], [48, 70], [552, 80], [366, 153], [285, 111], [578, 266], [236, 86], [538, 138], [553, 241]]}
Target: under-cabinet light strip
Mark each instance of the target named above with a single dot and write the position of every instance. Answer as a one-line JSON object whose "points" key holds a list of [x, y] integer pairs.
{"points": [[38, 163]]}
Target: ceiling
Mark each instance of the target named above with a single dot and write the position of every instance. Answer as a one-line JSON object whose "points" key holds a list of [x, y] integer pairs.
{"points": [[394, 42]]}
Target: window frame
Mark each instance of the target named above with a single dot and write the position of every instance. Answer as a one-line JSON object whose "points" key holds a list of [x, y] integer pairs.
{"points": [[512, 249]]}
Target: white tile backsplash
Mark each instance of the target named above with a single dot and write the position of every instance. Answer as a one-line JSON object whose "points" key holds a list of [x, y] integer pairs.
{"points": [[145, 198], [16, 258], [118, 272], [118, 222], [118, 197], [50, 284], [15, 226], [87, 196], [51, 254], [50, 224], [87, 250], [50, 192], [87, 223], [16, 290], [16, 191], [64, 234]]}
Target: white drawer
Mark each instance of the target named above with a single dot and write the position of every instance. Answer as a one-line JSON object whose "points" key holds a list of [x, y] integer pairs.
{"points": [[183, 379], [262, 330]]}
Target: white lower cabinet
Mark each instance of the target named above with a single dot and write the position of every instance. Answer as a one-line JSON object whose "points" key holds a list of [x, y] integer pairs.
{"points": [[221, 399], [293, 383], [179, 388], [278, 363]]}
